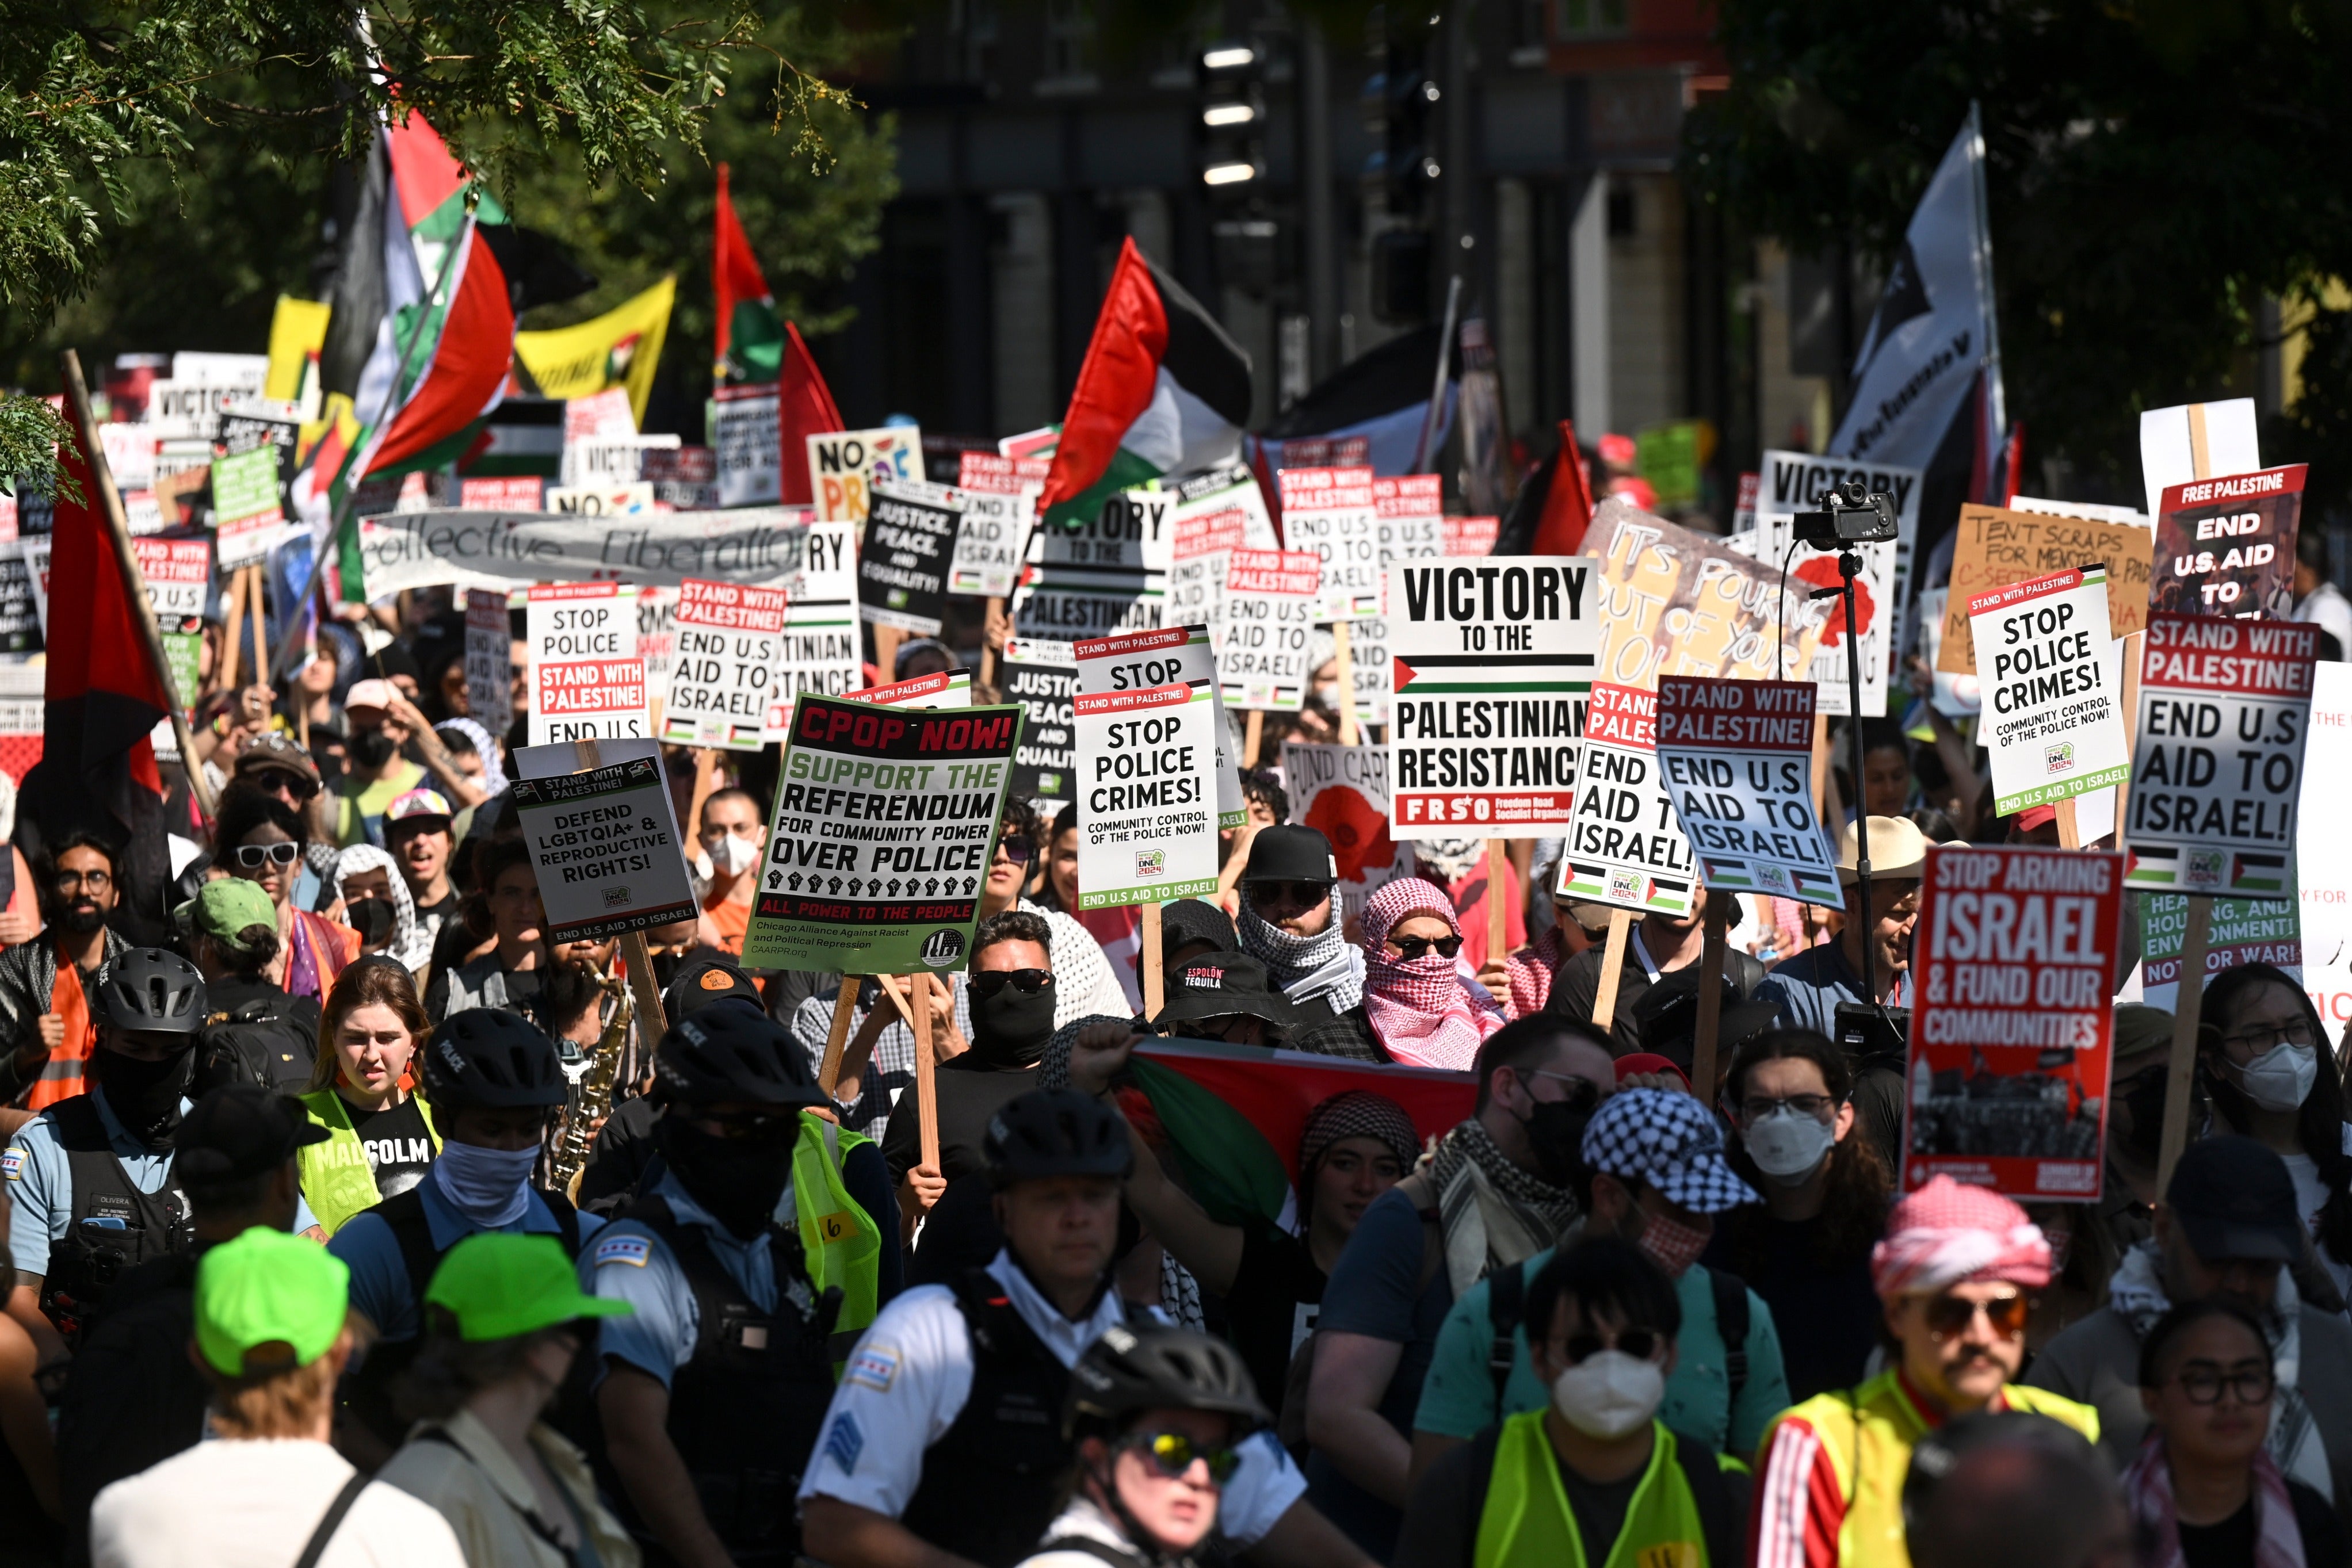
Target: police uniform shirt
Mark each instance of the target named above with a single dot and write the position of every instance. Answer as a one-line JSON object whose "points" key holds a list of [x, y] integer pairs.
{"points": [[40, 1183], [630, 1263], [379, 1279], [909, 1376]]}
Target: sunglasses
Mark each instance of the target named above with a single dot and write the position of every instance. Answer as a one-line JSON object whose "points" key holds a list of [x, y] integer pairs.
{"points": [[279, 781], [1016, 847], [986, 983], [1172, 1454], [1642, 1345], [1411, 947], [253, 857], [1950, 1315], [1306, 894]]}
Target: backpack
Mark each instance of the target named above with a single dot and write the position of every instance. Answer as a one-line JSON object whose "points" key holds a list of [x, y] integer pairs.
{"points": [[259, 1043]]}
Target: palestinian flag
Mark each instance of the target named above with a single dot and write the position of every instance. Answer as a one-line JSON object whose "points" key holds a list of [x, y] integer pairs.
{"points": [[1379, 399], [1232, 1113], [750, 346], [1554, 506], [1164, 391]]}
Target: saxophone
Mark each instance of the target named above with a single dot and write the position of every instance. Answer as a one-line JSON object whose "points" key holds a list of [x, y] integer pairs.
{"points": [[595, 1101]]}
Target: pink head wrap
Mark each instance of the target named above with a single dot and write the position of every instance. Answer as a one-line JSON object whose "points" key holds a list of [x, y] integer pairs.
{"points": [[1420, 1010], [1949, 1234]]}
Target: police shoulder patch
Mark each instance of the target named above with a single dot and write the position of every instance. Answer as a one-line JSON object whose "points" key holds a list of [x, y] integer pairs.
{"points": [[873, 1366], [632, 1249], [11, 1163], [844, 1441]]}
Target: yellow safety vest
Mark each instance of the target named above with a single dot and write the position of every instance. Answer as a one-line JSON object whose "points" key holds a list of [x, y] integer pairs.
{"points": [[1528, 1520], [337, 1182], [839, 1241]]}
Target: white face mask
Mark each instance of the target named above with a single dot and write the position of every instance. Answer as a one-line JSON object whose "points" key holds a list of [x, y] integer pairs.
{"points": [[1609, 1393], [1787, 1145], [735, 854], [2281, 1078]]}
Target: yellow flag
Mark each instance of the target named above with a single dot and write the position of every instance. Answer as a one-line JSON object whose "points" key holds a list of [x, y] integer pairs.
{"points": [[620, 348], [298, 330]]}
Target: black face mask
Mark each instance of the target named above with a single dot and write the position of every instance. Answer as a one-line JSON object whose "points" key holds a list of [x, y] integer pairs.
{"points": [[1556, 1132], [1011, 1028], [145, 1095], [738, 1180], [372, 748]]}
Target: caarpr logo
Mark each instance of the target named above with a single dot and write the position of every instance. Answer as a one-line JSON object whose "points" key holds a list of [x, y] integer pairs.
{"points": [[942, 948]]}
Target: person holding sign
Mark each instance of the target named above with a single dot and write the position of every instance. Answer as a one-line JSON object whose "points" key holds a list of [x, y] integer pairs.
{"points": [[1657, 945], [1809, 985]]}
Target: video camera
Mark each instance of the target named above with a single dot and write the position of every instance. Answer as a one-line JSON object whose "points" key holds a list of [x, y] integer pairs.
{"points": [[1850, 515]]}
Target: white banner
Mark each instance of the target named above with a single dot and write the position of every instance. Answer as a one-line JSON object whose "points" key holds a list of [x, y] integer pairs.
{"points": [[756, 544]]}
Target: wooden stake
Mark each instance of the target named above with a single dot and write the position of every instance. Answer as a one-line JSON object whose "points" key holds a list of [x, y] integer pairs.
{"points": [[1253, 733], [1710, 1007], [1822, 775], [1498, 897], [2200, 457], [2186, 996], [850, 1083], [2132, 647], [927, 1094], [233, 632], [1612, 962], [838, 1038], [886, 653], [2070, 830], [258, 600], [1344, 653], [1155, 979]]}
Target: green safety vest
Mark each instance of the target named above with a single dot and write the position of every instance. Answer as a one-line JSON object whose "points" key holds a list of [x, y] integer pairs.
{"points": [[1527, 1521], [337, 1182], [840, 1243]]}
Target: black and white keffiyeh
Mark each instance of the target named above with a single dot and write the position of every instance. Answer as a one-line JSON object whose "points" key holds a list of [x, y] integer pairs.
{"points": [[1325, 964]]}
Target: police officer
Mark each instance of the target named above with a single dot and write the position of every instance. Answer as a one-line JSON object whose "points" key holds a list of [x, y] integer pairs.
{"points": [[495, 1082], [745, 1256], [944, 1441]]}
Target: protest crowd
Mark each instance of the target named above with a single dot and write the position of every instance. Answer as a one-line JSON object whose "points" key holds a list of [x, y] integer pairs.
{"points": [[1026, 1012]]}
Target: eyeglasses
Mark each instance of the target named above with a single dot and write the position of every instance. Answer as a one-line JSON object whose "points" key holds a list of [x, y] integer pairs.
{"points": [[1306, 894], [1411, 947], [1173, 1453], [253, 857], [1016, 847], [1951, 1315], [986, 983], [1642, 1345], [2203, 1382], [1756, 1107], [96, 881], [2267, 1037]]}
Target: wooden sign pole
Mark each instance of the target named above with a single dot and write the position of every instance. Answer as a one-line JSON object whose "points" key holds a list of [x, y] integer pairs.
{"points": [[886, 653], [1155, 978], [2070, 829], [232, 632], [1344, 653], [258, 599], [2187, 998], [1498, 898], [1253, 733], [837, 1037], [927, 1096], [1710, 1007], [988, 649], [1821, 770], [1612, 962]]}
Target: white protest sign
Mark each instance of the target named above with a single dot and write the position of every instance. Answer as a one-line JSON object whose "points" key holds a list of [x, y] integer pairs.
{"points": [[1270, 621], [1737, 760], [723, 666], [2324, 848], [2055, 728], [1342, 792], [633, 499], [1109, 574], [2172, 439], [846, 464], [1411, 512], [821, 648], [179, 574], [1147, 748], [609, 463], [1625, 849], [1329, 511], [586, 680], [999, 507], [1209, 524], [604, 841], [1791, 482], [749, 442], [35, 548], [490, 659], [607, 415]]}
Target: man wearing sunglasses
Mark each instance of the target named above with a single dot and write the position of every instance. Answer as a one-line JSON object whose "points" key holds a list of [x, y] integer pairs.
{"points": [[1955, 1272], [1288, 922], [47, 1025]]}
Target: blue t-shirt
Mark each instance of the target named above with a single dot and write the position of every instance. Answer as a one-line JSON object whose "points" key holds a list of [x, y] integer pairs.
{"points": [[379, 1279]]}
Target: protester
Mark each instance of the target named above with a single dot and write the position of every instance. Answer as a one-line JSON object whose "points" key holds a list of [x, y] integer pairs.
{"points": [[255, 1030], [509, 909], [474, 752], [271, 1327], [46, 1017], [1191, 928], [1655, 946], [1290, 923], [2011, 1488], [417, 830], [376, 1138], [1499, 1187], [260, 840], [2317, 600], [1227, 996], [1058, 888], [1421, 1009], [1534, 969], [734, 836], [1953, 1272], [1810, 985], [378, 773], [283, 768], [364, 873]]}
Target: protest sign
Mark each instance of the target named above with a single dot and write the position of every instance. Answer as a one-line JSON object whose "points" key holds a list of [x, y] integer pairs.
{"points": [[508, 492], [1179, 655], [1410, 513], [23, 622], [2323, 847], [1368, 661], [1107, 575], [1674, 602], [685, 478], [2226, 546], [1624, 848], [879, 844], [723, 668], [1491, 660], [2238, 931], [34, 552], [821, 649], [2013, 958], [490, 659], [1147, 748], [656, 634], [749, 442], [902, 564], [631, 500], [1216, 513], [1736, 757], [940, 689], [605, 415], [1469, 536], [610, 463], [2054, 728], [1994, 546], [1270, 612], [604, 841], [1793, 481], [756, 544], [1043, 677], [2192, 441], [2215, 776], [1330, 512], [586, 680], [844, 466], [179, 576], [247, 432], [1000, 507], [247, 516], [1342, 792], [2091, 509]]}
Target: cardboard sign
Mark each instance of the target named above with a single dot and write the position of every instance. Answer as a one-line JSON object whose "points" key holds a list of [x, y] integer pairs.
{"points": [[1000, 507], [758, 545], [724, 666], [844, 467], [1342, 792], [1491, 660], [1624, 848], [1994, 546], [246, 516], [2237, 931], [1107, 575], [1736, 757], [902, 563], [1330, 512], [1270, 611], [884, 822], [490, 659], [1792, 482], [823, 648], [1043, 677], [2054, 722], [2216, 773], [1148, 750], [940, 689], [2226, 547], [179, 575], [586, 680], [2013, 958], [749, 442], [1410, 513], [604, 841], [1674, 602], [1217, 513]]}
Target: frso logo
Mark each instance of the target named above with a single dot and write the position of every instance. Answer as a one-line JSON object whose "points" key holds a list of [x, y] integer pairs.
{"points": [[942, 948]]}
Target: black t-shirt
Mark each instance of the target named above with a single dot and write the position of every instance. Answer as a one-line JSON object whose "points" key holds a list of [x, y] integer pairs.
{"points": [[2230, 1543], [970, 1094], [397, 1143], [1827, 1315], [1277, 1287]]}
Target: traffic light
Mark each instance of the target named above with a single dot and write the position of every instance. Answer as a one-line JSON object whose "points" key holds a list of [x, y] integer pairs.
{"points": [[1233, 117], [1409, 166]]}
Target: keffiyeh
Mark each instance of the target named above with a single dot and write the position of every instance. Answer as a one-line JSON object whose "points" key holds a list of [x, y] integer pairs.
{"points": [[1494, 1212], [1533, 971], [1950, 1234], [1324, 965], [410, 943], [1420, 1009], [2148, 1491], [1358, 1113], [494, 773]]}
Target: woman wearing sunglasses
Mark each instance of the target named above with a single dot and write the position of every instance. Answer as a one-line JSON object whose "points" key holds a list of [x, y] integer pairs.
{"points": [[1423, 1011], [2205, 1491], [1156, 1412], [259, 838]]}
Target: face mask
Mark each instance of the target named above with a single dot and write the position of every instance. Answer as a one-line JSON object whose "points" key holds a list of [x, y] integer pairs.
{"points": [[490, 1186], [1556, 1132], [738, 1180], [1011, 1028], [1787, 1145], [1671, 1245], [1609, 1393], [372, 748], [735, 855], [145, 1095], [2280, 1078]]}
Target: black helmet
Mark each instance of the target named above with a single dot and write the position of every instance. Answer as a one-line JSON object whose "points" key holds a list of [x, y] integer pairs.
{"points": [[1056, 1133], [154, 992], [732, 1053], [490, 1057], [1151, 1366]]}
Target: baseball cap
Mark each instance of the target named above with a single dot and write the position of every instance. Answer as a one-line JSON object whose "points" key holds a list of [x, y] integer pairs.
{"points": [[2034, 816], [227, 905], [698, 986], [1291, 852], [1897, 849], [498, 1285], [1669, 1140], [1223, 985], [240, 1130], [371, 693], [418, 803], [271, 749], [1665, 1017], [267, 1288], [2233, 1198]]}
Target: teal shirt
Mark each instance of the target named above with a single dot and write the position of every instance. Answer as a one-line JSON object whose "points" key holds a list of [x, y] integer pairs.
{"points": [[1457, 1400]]}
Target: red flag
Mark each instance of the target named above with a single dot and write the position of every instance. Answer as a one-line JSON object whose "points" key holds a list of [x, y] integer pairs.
{"points": [[744, 312], [1568, 505], [804, 408], [103, 694]]}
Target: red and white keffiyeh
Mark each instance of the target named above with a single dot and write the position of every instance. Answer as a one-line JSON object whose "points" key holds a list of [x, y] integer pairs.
{"points": [[1420, 1008], [1950, 1234], [2148, 1491]]}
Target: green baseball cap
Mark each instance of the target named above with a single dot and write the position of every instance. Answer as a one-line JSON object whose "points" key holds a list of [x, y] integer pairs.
{"points": [[498, 1285], [266, 1288], [228, 905]]}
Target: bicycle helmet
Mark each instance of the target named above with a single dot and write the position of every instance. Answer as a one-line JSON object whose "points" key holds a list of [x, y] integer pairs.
{"points": [[152, 991], [492, 1058], [1056, 1133], [1155, 1366], [732, 1053]]}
